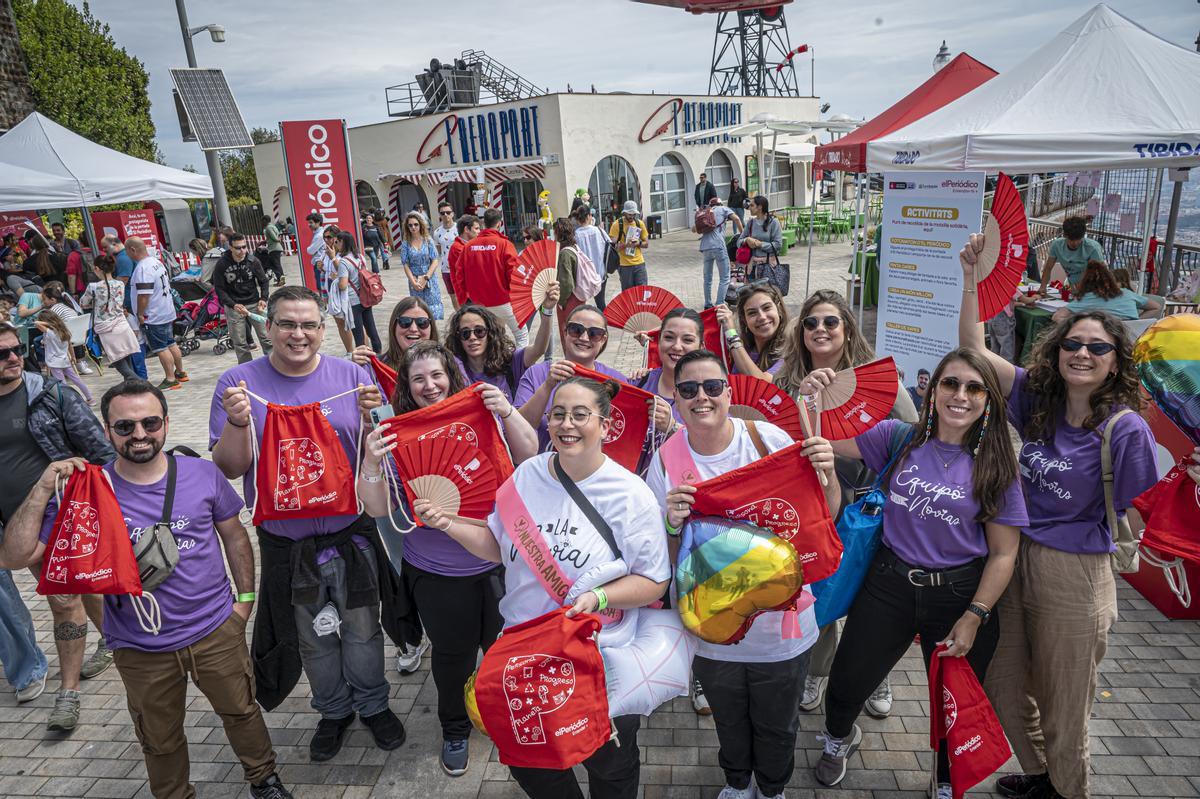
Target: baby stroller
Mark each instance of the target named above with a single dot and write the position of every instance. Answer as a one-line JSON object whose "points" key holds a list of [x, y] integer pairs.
{"points": [[202, 320]]}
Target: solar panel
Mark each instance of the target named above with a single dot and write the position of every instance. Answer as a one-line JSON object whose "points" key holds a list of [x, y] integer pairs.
{"points": [[211, 109]]}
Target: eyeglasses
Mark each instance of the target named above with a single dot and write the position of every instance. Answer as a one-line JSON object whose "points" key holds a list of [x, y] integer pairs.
{"points": [[579, 416], [576, 330], [1094, 347], [951, 385], [467, 333], [713, 387], [125, 427], [408, 321], [813, 322], [8, 352], [288, 326], [241, 247]]}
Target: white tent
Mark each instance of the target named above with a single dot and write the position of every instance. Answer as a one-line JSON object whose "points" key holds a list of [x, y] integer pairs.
{"points": [[1103, 94], [47, 166]]}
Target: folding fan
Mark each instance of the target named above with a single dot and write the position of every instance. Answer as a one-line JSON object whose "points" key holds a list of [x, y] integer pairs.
{"points": [[640, 308], [714, 340], [857, 399], [761, 401], [1000, 265], [385, 376], [531, 279], [452, 474]]}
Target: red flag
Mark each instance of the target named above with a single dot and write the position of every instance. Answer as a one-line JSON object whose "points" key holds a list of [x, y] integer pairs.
{"points": [[629, 423], [801, 49], [961, 715], [385, 376]]}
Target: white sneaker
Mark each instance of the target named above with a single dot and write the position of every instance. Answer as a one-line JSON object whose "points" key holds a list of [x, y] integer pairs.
{"points": [[761, 795], [700, 702], [814, 693], [944, 791], [729, 792], [32, 691], [879, 705], [84, 369], [408, 660]]}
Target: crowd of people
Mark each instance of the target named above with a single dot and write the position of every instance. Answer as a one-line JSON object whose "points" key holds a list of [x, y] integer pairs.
{"points": [[997, 550]]}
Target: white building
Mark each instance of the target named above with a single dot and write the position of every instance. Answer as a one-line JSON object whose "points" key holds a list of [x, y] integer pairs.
{"points": [[611, 144]]}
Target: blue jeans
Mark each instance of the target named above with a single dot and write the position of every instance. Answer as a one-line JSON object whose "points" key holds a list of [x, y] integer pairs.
{"points": [[24, 662], [344, 669], [721, 259]]}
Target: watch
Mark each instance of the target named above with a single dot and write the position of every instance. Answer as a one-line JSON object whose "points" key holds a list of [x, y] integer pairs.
{"points": [[983, 615]]}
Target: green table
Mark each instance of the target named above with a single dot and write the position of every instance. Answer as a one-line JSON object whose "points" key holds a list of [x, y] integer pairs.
{"points": [[870, 280], [1029, 322]]}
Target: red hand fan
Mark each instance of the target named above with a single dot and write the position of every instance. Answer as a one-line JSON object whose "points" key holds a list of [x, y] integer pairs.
{"points": [[452, 474], [857, 399], [640, 308], [530, 281], [714, 340], [385, 376], [761, 401], [1002, 261]]}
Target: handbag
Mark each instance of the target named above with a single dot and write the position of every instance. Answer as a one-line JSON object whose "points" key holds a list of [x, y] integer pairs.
{"points": [[1124, 559], [156, 551], [743, 255], [776, 274]]}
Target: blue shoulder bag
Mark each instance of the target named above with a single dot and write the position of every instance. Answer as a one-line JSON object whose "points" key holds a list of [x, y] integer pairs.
{"points": [[859, 527]]}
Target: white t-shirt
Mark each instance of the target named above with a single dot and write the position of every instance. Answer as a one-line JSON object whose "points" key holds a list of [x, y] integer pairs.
{"points": [[150, 278], [621, 499], [443, 237], [764, 642], [56, 351]]}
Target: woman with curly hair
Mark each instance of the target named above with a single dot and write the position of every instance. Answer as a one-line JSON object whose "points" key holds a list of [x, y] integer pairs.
{"points": [[1062, 599], [482, 345], [755, 332]]}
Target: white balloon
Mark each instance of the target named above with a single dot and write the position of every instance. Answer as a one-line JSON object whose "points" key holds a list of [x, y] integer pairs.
{"points": [[653, 668]]}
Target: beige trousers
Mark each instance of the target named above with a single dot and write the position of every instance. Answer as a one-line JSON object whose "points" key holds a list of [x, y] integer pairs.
{"points": [[1054, 622]]}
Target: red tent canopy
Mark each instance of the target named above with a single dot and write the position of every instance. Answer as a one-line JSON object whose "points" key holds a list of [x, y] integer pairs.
{"points": [[960, 76]]}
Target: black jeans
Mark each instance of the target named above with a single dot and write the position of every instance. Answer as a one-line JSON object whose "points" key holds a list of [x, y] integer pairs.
{"points": [[756, 709], [275, 263], [888, 612], [364, 325], [598, 300], [461, 615], [613, 771]]}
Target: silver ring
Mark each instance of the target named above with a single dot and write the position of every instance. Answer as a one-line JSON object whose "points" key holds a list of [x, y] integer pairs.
{"points": [[680, 506]]}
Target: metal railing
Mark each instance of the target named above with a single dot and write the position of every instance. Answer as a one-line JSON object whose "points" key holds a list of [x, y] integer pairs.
{"points": [[474, 78]]}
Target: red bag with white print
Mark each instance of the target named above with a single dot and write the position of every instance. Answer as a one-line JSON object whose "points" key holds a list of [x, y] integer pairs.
{"points": [[302, 471], [962, 719]]}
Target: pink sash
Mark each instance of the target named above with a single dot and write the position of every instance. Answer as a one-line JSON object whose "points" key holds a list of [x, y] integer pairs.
{"points": [[527, 539], [681, 469]]}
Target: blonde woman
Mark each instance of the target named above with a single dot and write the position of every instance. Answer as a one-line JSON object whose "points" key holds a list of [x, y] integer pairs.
{"points": [[419, 257]]}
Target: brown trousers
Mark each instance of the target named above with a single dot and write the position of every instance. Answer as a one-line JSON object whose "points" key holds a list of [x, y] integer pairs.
{"points": [[1055, 616], [156, 690]]}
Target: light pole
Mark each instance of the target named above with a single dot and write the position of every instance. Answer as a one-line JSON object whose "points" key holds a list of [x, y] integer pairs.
{"points": [[220, 202]]}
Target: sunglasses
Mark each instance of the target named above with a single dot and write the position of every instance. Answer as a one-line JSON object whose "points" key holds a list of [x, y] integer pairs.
{"points": [[125, 427], [8, 352], [447, 213], [408, 321], [467, 333], [713, 387], [576, 330], [1095, 347], [974, 388], [813, 322], [329, 238], [414, 224]]}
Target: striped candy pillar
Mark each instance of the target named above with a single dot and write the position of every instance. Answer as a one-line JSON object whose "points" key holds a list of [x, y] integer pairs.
{"points": [[497, 197], [394, 210], [442, 192]]}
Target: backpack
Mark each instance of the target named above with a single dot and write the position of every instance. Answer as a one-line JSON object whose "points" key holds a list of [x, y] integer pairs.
{"points": [[706, 220], [587, 280], [370, 285]]}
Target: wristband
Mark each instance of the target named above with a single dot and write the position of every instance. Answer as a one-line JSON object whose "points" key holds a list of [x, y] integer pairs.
{"points": [[235, 424], [371, 478], [547, 311], [601, 598], [249, 596], [730, 335], [671, 531]]}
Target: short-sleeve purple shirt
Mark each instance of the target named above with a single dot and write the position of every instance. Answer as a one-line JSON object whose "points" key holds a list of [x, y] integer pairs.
{"points": [[534, 377]]}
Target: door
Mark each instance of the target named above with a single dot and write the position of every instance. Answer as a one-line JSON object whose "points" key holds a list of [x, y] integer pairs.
{"points": [[668, 193]]}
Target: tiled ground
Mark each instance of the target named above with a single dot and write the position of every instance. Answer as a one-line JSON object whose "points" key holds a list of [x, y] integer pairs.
{"points": [[1145, 734]]}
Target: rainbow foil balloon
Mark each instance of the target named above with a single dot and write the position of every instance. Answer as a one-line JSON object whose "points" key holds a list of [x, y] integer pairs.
{"points": [[728, 573], [1168, 361]]}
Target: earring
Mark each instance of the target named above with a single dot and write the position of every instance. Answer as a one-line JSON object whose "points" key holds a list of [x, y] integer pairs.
{"points": [[987, 413], [929, 424]]}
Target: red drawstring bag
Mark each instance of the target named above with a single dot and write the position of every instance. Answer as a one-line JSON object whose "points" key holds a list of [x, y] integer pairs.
{"points": [[781, 493], [540, 692], [1171, 510], [385, 376], [629, 423], [89, 550], [961, 715], [302, 472], [462, 416]]}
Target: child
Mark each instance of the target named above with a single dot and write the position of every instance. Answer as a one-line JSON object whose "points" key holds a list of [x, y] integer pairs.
{"points": [[60, 355]]}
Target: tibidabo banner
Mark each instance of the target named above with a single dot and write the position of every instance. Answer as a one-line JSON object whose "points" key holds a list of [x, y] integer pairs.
{"points": [[927, 217], [316, 156]]}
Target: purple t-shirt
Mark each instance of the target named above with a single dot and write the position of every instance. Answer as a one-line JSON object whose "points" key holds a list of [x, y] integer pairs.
{"points": [[651, 384], [331, 377], [929, 519], [516, 370], [534, 377], [197, 598], [1062, 477], [753, 353]]}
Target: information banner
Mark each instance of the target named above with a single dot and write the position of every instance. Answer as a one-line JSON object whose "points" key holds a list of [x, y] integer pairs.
{"points": [[316, 155], [139, 222], [927, 217]]}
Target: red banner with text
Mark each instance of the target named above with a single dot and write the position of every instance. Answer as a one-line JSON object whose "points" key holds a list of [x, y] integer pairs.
{"points": [[317, 157]]}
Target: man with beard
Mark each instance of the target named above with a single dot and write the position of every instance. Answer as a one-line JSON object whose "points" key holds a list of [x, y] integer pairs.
{"points": [[202, 632]]}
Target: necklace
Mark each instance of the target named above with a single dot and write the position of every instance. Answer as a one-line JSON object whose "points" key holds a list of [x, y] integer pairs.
{"points": [[941, 456]]}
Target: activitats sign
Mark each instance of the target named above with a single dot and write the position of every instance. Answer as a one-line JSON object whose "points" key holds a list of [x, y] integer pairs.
{"points": [[316, 156]]}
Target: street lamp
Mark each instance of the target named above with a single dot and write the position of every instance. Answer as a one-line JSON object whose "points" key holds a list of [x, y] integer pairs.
{"points": [[217, 34]]}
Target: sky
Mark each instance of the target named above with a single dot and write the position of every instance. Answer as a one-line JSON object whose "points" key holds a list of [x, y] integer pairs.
{"points": [[304, 59]]}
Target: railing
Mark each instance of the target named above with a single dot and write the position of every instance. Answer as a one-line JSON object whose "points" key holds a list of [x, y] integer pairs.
{"points": [[1123, 251], [458, 85]]}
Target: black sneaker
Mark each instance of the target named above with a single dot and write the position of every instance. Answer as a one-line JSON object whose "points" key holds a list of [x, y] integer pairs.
{"points": [[327, 740], [270, 788], [386, 729], [1020, 785], [455, 757]]}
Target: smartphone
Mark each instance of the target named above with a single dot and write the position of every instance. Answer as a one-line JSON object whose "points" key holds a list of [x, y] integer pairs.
{"points": [[381, 413]]}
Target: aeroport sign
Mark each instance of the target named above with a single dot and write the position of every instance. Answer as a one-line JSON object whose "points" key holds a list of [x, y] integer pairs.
{"points": [[679, 117], [484, 137]]}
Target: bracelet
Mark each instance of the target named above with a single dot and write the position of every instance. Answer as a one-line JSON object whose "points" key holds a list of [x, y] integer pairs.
{"points": [[368, 478], [511, 408], [735, 344], [601, 597], [730, 335], [249, 596], [235, 424], [671, 531], [985, 608], [968, 291], [547, 311]]}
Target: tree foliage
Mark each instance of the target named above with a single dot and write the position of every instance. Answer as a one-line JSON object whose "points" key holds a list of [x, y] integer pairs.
{"points": [[241, 181], [82, 80]]}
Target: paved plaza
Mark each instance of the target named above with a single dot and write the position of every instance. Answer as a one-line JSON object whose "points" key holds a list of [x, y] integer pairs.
{"points": [[1145, 728]]}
